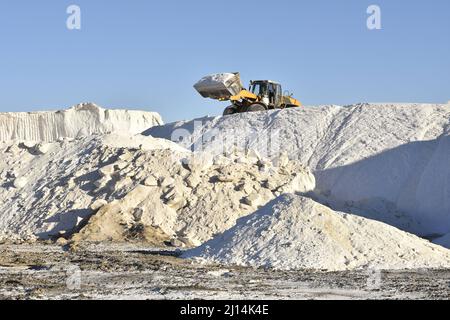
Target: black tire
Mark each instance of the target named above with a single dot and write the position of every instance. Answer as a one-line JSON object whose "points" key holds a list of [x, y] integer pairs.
{"points": [[229, 111], [256, 107]]}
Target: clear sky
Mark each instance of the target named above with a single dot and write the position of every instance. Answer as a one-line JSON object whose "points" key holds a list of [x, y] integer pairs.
{"points": [[145, 54]]}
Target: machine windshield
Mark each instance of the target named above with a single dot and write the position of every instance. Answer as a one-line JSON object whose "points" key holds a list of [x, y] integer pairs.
{"points": [[259, 89]]}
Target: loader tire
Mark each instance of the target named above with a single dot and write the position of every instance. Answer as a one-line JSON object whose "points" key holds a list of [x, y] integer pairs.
{"points": [[229, 110], [256, 107]]}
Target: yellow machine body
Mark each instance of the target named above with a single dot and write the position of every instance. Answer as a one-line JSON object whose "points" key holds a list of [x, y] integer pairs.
{"points": [[261, 95]]}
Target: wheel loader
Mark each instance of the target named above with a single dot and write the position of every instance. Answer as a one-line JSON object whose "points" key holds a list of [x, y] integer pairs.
{"points": [[262, 94]]}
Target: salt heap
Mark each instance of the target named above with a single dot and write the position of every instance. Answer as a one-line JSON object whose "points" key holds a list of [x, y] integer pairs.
{"points": [[81, 120], [123, 187], [46, 194], [191, 200], [294, 232], [388, 162]]}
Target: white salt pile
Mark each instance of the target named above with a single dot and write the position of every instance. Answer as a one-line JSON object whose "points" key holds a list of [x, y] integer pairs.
{"points": [[386, 162], [49, 193], [188, 198], [134, 183], [81, 120], [389, 162], [294, 232]]}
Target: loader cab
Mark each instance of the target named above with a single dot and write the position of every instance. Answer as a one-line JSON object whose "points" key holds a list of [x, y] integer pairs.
{"points": [[269, 92]]}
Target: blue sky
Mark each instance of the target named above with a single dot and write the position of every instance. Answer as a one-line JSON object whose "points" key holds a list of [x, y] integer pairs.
{"points": [[145, 54]]}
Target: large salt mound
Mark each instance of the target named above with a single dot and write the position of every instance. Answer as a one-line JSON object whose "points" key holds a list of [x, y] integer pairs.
{"points": [[121, 186], [294, 232], [389, 162], [48, 188], [81, 120]]}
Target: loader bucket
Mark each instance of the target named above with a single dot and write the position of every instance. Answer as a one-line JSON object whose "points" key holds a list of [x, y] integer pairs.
{"points": [[220, 86]]}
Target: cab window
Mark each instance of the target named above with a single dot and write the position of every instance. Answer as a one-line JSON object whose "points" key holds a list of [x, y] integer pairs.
{"points": [[259, 89]]}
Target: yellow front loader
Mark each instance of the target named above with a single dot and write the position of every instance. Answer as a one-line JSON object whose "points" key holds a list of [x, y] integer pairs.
{"points": [[262, 94]]}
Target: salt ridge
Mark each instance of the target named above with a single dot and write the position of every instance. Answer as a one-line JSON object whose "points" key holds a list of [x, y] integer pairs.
{"points": [[81, 120]]}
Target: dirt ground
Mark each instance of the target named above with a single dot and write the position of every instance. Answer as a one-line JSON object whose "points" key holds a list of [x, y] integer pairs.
{"points": [[131, 271]]}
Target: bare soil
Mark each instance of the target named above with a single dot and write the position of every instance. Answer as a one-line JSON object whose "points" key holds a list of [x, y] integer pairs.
{"points": [[133, 271]]}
